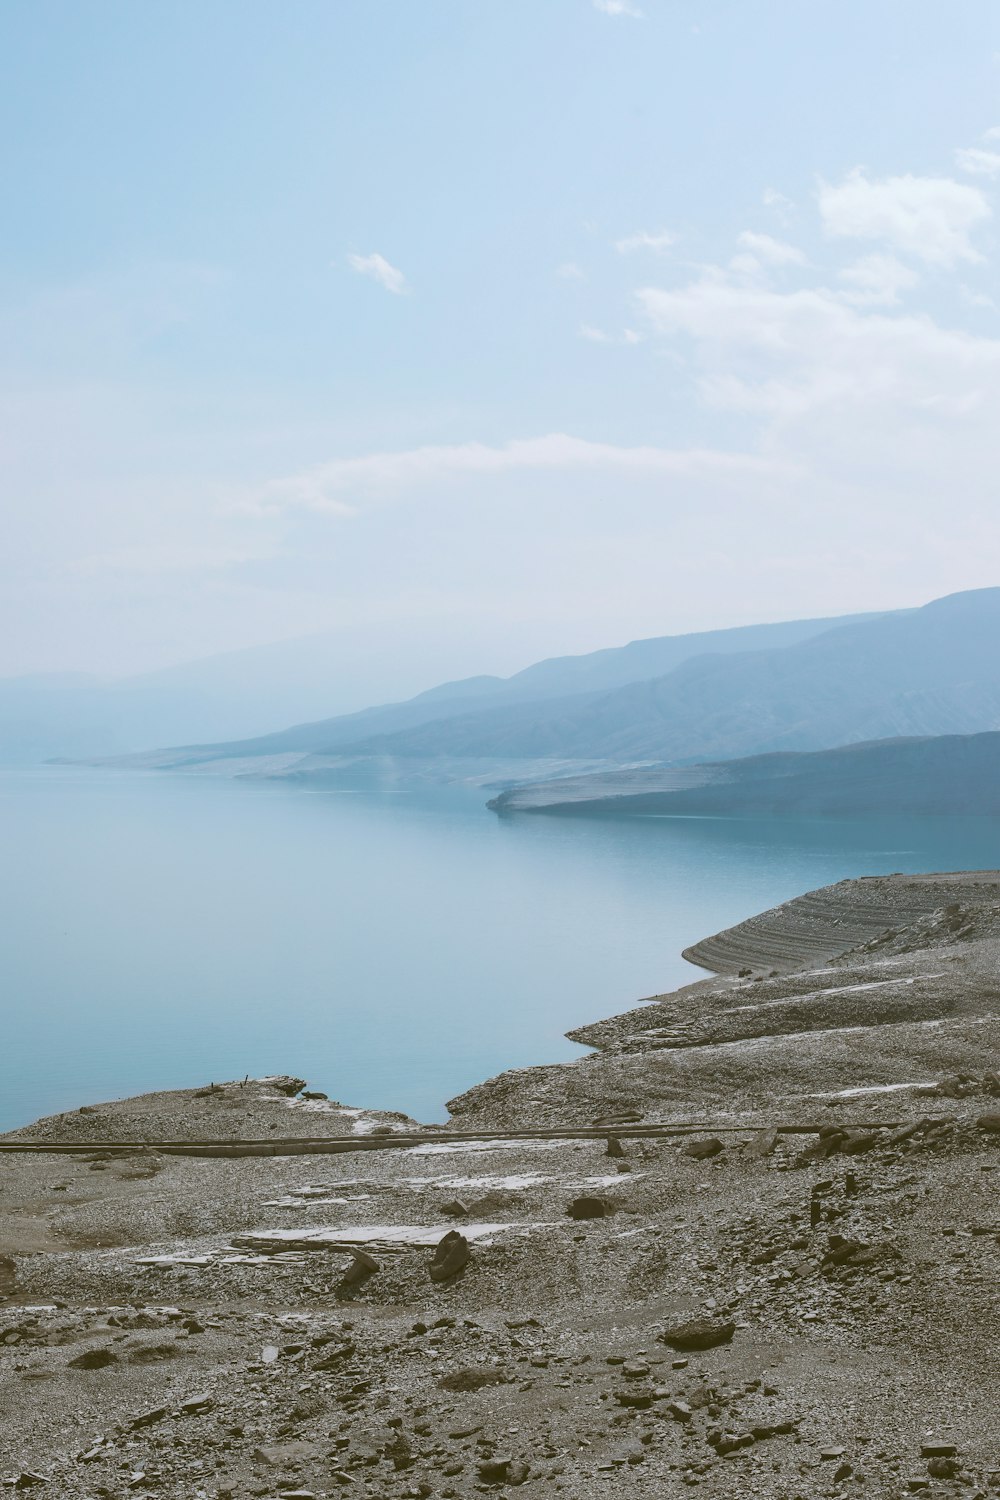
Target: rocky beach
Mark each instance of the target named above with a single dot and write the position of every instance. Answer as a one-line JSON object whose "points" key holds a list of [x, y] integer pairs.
{"points": [[748, 1244]]}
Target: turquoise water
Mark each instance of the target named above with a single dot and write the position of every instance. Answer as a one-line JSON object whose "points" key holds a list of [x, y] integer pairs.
{"points": [[393, 948]]}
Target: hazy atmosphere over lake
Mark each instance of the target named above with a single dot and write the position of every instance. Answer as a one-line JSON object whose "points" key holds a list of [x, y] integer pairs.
{"points": [[499, 749]]}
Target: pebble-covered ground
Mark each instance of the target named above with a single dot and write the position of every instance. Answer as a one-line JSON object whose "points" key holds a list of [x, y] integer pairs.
{"points": [[740, 1311]]}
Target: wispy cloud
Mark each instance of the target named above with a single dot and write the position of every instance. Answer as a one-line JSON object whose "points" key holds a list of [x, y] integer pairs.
{"points": [[977, 161], [771, 251], [877, 280], [930, 218], [379, 269], [658, 241], [617, 8], [598, 336], [783, 208], [327, 487], [570, 271]]}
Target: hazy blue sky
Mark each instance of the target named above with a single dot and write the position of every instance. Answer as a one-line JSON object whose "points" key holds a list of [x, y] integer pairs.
{"points": [[486, 329]]}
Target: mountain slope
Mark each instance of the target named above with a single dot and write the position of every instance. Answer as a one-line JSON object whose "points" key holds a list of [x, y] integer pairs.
{"points": [[946, 774], [573, 681], [930, 671]]}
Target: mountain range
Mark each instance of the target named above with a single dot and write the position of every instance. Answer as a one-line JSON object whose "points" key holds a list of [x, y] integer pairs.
{"points": [[541, 692], [723, 696], [716, 721]]}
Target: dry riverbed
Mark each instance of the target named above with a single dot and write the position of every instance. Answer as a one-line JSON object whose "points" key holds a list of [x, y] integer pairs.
{"points": [[734, 1310]]}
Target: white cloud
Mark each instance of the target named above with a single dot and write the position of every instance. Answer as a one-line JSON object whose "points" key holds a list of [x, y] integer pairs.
{"points": [[835, 382], [993, 134], [378, 268], [927, 217], [617, 8], [771, 251], [598, 335], [783, 207], [978, 162], [570, 271], [877, 280], [658, 241], [976, 299], [323, 488]]}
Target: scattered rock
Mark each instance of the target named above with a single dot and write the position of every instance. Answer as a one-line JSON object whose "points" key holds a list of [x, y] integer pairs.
{"points": [[147, 1418], [286, 1455], [473, 1379], [8, 1276]]}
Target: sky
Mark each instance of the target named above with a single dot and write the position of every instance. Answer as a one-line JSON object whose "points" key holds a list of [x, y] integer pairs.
{"points": [[476, 331]]}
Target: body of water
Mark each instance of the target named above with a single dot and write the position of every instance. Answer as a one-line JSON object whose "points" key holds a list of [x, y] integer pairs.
{"points": [[393, 948]]}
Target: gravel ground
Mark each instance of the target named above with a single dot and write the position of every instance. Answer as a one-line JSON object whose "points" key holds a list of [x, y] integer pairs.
{"points": [[738, 1311]]}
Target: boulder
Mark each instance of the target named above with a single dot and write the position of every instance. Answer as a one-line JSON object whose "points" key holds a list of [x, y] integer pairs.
{"points": [[698, 1333], [284, 1083], [763, 1143], [704, 1149], [500, 1470], [450, 1257], [94, 1359], [589, 1206]]}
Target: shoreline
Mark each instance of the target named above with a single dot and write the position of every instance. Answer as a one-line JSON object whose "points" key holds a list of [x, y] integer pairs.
{"points": [[694, 1258]]}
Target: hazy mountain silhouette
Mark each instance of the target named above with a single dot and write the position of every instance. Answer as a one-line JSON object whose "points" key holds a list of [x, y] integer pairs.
{"points": [[532, 706], [930, 671], [246, 693]]}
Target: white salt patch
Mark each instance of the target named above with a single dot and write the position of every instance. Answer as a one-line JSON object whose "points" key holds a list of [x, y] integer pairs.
{"points": [[527, 1180], [442, 1149], [174, 1260], [532, 1179], [875, 1088], [420, 1235]]}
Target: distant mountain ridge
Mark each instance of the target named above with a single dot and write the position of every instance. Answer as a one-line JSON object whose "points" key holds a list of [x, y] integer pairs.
{"points": [[556, 686], [929, 671], [222, 700], [798, 687]]}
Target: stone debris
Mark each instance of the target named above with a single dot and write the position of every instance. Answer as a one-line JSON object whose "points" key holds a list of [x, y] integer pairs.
{"points": [[806, 1311]]}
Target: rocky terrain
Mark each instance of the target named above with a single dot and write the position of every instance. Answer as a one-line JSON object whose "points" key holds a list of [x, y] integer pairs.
{"points": [[748, 1245]]}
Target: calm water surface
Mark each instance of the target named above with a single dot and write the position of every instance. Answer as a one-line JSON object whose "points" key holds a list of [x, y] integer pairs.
{"points": [[392, 947]]}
